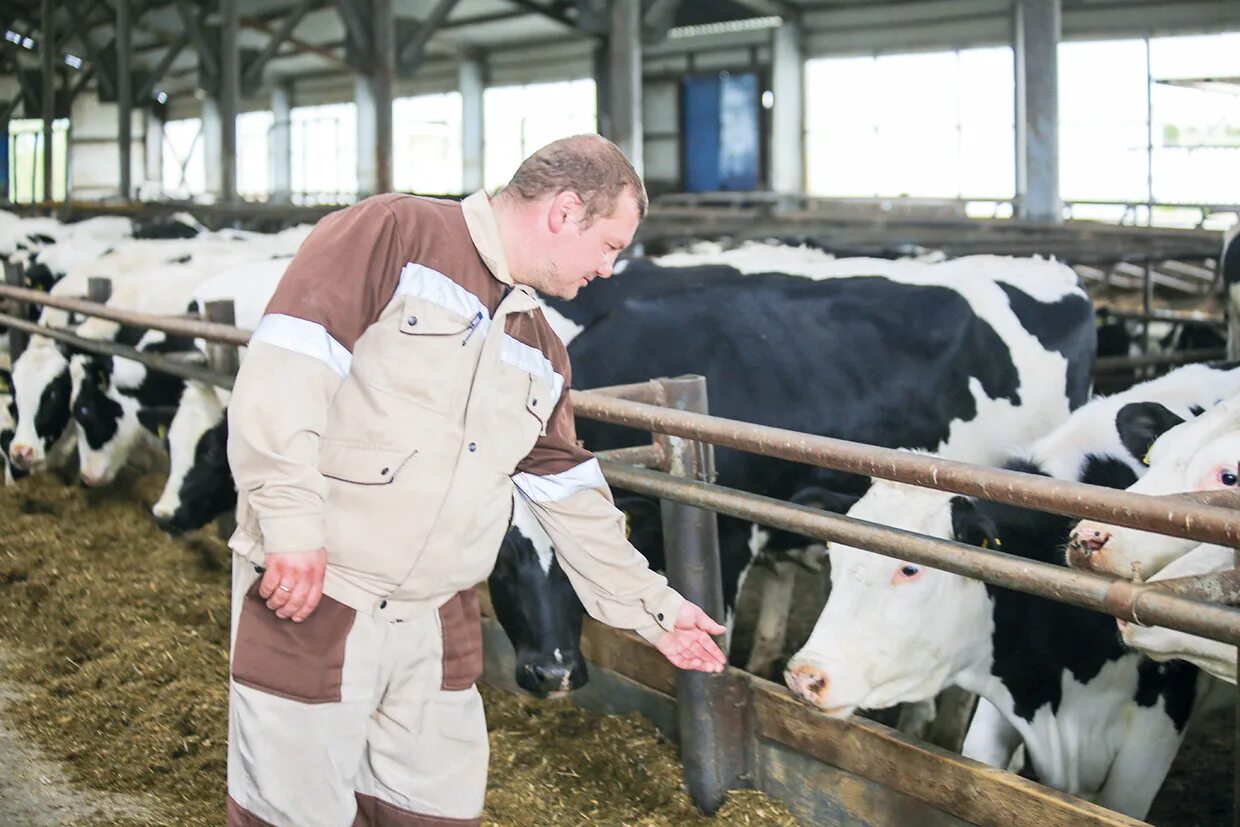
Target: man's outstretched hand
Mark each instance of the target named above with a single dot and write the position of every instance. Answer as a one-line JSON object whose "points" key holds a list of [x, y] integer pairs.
{"points": [[689, 646]]}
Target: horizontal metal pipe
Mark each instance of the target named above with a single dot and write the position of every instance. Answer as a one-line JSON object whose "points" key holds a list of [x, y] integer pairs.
{"points": [[223, 334], [154, 361], [644, 456], [1182, 517], [1108, 364], [650, 393], [1119, 598]]}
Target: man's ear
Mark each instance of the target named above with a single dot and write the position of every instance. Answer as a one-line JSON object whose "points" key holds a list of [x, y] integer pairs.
{"points": [[567, 210]]}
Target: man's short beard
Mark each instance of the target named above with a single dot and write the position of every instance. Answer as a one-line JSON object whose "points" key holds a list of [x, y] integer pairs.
{"points": [[544, 277]]}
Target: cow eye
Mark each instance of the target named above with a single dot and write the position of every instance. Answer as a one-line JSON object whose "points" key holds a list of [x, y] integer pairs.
{"points": [[1228, 477]]}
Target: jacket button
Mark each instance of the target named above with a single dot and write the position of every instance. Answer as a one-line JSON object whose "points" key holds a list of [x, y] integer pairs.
{"points": [[411, 321], [384, 472], [533, 403], [660, 616], [382, 604], [473, 446]]}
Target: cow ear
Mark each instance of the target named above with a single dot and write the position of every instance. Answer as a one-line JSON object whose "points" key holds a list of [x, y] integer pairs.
{"points": [[1140, 424], [971, 526], [824, 499], [156, 423]]}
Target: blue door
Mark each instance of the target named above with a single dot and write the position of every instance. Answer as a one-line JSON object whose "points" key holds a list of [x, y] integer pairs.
{"points": [[720, 137]]}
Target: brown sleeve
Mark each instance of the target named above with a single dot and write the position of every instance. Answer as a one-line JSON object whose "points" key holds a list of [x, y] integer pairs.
{"points": [[339, 282], [345, 272], [563, 486]]}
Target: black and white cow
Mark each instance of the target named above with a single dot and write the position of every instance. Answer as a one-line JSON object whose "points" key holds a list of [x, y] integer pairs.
{"points": [[8, 422], [200, 486], [144, 279], [1096, 719], [970, 356]]}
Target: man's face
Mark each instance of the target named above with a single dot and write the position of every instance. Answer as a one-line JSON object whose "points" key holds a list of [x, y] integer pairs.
{"points": [[579, 254]]}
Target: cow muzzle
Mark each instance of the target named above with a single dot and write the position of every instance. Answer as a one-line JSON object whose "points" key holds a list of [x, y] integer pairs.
{"points": [[1086, 547], [810, 683], [25, 457], [551, 680]]}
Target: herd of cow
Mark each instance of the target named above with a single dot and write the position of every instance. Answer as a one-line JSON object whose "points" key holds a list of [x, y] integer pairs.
{"points": [[981, 359]]}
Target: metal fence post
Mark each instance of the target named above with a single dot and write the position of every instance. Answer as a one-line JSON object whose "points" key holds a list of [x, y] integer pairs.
{"points": [[99, 289], [691, 538], [14, 274], [222, 358]]}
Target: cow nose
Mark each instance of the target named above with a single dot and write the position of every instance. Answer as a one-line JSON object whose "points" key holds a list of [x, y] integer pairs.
{"points": [[810, 683], [1086, 542], [22, 455], [551, 677]]}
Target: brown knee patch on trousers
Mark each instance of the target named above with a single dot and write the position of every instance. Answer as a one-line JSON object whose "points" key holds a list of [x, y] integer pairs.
{"points": [[299, 661], [238, 816], [371, 812], [461, 623]]}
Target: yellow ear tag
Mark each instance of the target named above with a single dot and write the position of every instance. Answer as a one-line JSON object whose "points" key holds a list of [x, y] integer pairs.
{"points": [[985, 542], [1146, 458], [998, 543], [4, 385], [162, 431], [628, 528]]}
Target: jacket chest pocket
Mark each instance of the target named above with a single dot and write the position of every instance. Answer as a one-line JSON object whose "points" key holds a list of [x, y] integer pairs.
{"points": [[523, 415], [425, 354]]}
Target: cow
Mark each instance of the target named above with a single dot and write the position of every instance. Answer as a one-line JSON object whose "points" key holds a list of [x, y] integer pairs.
{"points": [[144, 279], [1196, 455], [1161, 644], [200, 486], [971, 355], [118, 404], [1096, 720], [8, 422]]}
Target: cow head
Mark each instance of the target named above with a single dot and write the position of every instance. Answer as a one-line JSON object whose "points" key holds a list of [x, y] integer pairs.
{"points": [[109, 424], [41, 391], [1202, 454], [895, 631], [540, 612], [8, 423], [200, 485]]}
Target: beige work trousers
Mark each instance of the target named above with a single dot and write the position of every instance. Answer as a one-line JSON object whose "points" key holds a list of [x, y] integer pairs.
{"points": [[354, 719]]}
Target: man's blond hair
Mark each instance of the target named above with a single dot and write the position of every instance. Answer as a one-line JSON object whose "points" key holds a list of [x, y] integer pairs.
{"points": [[589, 165]]}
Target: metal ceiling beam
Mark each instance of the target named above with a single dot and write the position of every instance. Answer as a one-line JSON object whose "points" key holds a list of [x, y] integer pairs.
{"points": [[412, 55], [95, 56], [157, 73], [551, 14], [772, 8], [356, 28], [193, 25], [327, 51], [254, 72]]}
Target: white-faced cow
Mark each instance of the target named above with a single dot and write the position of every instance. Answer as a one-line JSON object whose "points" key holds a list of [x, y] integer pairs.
{"points": [[1199, 455], [1096, 719], [974, 355], [200, 485]]}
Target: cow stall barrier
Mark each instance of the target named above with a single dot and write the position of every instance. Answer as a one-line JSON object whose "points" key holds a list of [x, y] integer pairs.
{"points": [[737, 730]]}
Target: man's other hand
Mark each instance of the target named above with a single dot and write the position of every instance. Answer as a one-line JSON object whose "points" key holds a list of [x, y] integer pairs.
{"points": [[689, 645], [293, 583]]}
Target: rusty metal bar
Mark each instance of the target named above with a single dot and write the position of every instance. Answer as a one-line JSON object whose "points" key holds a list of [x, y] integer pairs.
{"points": [[1183, 518], [1111, 364], [1119, 598], [155, 361], [1217, 587], [643, 456], [691, 537], [223, 334], [649, 393]]}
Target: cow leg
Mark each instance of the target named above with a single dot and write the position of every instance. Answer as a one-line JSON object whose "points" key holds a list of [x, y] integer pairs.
{"points": [[954, 712], [915, 718], [771, 629], [991, 738]]}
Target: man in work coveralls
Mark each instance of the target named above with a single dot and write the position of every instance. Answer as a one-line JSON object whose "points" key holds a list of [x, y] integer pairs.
{"points": [[403, 387]]}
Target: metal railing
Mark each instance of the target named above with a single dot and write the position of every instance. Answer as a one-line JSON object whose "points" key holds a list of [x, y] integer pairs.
{"points": [[675, 412]]}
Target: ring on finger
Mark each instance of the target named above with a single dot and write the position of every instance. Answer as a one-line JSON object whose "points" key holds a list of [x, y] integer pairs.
{"points": [[284, 588]]}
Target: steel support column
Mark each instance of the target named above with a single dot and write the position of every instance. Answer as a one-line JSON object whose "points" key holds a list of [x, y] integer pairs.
{"points": [[229, 93], [1036, 50], [280, 164], [625, 78], [47, 60], [373, 94], [787, 173], [124, 96], [472, 83]]}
